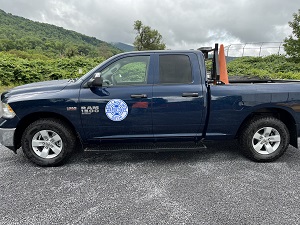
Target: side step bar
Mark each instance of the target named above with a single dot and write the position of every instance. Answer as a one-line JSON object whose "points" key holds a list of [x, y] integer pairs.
{"points": [[159, 146]]}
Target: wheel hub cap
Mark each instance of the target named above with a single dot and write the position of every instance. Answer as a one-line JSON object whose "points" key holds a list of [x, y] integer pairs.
{"points": [[266, 140], [47, 144]]}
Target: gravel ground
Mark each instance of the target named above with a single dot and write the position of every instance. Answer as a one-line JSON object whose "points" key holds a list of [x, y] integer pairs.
{"points": [[213, 186]]}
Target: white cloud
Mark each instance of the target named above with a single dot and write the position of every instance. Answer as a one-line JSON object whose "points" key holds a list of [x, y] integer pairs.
{"points": [[184, 24]]}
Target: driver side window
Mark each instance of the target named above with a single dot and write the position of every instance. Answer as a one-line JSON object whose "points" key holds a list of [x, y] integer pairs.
{"points": [[127, 71]]}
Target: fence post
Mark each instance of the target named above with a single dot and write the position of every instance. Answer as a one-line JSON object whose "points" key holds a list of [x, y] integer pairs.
{"points": [[260, 49], [228, 49], [244, 49], [279, 47]]}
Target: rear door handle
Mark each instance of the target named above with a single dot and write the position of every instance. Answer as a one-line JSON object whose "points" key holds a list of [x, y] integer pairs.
{"points": [[139, 96], [194, 94]]}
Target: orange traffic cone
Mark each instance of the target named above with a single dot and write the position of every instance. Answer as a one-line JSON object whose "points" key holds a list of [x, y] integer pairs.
{"points": [[222, 65]]}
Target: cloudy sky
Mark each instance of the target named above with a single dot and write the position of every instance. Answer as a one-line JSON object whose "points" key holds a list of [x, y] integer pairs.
{"points": [[184, 24]]}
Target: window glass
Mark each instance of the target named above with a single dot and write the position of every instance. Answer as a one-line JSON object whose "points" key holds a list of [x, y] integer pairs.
{"points": [[175, 69], [127, 71]]}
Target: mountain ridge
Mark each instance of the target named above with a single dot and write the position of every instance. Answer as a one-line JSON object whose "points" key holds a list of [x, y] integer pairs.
{"points": [[19, 33], [124, 47]]}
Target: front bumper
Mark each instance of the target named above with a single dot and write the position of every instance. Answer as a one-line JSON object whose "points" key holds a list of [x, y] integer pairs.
{"points": [[7, 137]]}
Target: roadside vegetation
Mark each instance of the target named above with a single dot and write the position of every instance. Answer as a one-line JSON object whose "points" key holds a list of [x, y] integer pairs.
{"points": [[15, 69], [269, 67]]}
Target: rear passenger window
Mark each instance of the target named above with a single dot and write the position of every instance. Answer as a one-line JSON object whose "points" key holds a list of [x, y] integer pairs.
{"points": [[175, 69]]}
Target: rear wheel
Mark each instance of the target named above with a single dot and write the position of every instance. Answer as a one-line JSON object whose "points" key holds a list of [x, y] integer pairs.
{"points": [[264, 139], [48, 142]]}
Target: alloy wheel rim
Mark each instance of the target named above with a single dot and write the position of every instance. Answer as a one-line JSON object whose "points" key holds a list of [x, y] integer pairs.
{"points": [[266, 140], [47, 144]]}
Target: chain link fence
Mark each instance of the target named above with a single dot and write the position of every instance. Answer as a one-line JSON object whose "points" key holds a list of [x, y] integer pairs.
{"points": [[254, 49]]}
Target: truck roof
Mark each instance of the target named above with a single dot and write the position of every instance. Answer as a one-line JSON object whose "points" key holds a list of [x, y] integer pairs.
{"points": [[162, 51]]}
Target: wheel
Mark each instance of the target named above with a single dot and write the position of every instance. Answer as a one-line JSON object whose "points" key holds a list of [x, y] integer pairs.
{"points": [[264, 139], [48, 142]]}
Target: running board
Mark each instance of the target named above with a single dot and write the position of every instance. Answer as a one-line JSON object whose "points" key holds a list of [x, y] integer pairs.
{"points": [[160, 146]]}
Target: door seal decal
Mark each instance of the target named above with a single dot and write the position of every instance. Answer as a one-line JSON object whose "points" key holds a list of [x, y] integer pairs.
{"points": [[116, 110]]}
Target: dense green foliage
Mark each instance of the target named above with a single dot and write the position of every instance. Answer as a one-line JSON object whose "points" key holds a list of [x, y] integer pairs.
{"points": [[274, 67], [147, 38], [15, 70], [292, 43], [17, 33]]}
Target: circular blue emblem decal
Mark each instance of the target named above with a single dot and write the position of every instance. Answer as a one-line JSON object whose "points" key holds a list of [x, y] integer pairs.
{"points": [[116, 110]]}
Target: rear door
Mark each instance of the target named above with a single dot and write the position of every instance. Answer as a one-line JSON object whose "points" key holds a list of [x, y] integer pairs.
{"points": [[178, 101]]}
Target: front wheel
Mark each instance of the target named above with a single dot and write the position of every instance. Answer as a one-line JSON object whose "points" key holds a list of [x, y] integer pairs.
{"points": [[48, 142], [264, 139]]}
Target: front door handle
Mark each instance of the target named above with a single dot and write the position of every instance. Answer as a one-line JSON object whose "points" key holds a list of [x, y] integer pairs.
{"points": [[139, 96], [194, 94]]}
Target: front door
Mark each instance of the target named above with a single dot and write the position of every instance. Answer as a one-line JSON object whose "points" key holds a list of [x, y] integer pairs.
{"points": [[121, 108]]}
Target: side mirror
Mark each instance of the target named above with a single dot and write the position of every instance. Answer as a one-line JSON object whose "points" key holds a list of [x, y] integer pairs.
{"points": [[96, 81]]}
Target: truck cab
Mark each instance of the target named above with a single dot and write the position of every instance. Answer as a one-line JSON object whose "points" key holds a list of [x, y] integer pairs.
{"points": [[145, 95]]}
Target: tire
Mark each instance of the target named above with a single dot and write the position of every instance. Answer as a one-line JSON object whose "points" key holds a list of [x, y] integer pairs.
{"points": [[48, 142], [264, 139]]}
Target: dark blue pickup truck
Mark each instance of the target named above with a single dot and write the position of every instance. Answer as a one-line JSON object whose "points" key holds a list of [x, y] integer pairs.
{"points": [[154, 100]]}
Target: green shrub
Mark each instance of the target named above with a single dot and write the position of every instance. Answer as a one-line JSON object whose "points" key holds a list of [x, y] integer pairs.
{"points": [[273, 66], [15, 69]]}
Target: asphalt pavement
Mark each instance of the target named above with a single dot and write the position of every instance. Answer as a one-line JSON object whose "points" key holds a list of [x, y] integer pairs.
{"points": [[217, 185]]}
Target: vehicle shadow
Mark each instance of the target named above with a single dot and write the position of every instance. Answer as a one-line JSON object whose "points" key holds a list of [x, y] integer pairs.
{"points": [[228, 150]]}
